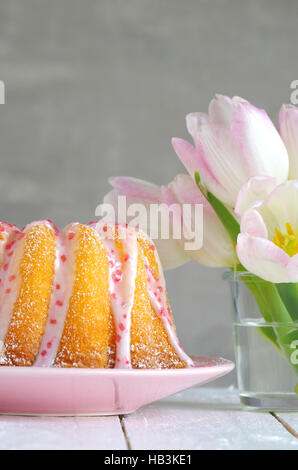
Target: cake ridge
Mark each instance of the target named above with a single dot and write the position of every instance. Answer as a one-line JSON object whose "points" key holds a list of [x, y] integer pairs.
{"points": [[61, 292], [122, 259]]}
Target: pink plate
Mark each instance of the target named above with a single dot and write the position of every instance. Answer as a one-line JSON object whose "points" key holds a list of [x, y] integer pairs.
{"points": [[50, 391]]}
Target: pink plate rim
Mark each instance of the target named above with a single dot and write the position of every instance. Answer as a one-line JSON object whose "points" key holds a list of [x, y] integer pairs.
{"points": [[46, 391]]}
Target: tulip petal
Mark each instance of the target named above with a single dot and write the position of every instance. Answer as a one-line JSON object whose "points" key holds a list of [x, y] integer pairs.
{"points": [[195, 159], [221, 109], [262, 148], [280, 207], [263, 258], [221, 155], [194, 122], [135, 187], [256, 189], [253, 224], [187, 192], [288, 124], [217, 249], [292, 269]]}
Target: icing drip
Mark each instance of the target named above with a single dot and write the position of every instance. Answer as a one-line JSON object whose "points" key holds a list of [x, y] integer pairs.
{"points": [[157, 293], [62, 289], [122, 275], [12, 246]]}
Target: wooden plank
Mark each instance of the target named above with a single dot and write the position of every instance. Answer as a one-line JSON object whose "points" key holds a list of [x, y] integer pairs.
{"points": [[56, 433], [205, 418]]}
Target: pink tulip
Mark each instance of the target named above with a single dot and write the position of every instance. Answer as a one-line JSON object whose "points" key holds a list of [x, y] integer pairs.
{"points": [[137, 191], [288, 122], [233, 142], [217, 249], [268, 243]]}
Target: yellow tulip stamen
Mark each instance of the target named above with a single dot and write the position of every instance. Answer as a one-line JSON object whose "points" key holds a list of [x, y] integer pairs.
{"points": [[287, 241]]}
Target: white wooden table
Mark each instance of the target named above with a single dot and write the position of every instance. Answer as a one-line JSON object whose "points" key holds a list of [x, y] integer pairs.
{"points": [[202, 418]]}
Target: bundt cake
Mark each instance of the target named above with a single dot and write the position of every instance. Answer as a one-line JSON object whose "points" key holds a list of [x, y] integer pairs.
{"points": [[88, 296]]}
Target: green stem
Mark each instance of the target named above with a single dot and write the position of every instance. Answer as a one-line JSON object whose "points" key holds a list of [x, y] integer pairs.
{"points": [[273, 310], [289, 294]]}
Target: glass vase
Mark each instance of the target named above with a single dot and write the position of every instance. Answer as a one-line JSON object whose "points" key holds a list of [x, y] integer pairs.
{"points": [[266, 350]]}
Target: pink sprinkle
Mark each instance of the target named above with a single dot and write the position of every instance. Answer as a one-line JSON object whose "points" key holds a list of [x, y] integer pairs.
{"points": [[71, 235], [5, 267], [10, 245], [126, 362], [118, 338], [12, 278], [8, 291], [113, 295], [126, 258], [105, 228], [21, 236], [2, 229], [162, 311], [125, 316], [118, 360], [63, 258], [160, 288], [53, 321], [59, 303], [152, 247], [58, 286], [117, 275], [121, 326], [49, 345], [10, 254], [44, 352]]}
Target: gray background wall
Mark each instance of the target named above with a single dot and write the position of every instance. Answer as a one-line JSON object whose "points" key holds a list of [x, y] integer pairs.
{"points": [[98, 88]]}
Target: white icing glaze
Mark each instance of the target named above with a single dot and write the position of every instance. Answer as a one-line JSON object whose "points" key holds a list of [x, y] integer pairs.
{"points": [[62, 289], [122, 275], [11, 250]]}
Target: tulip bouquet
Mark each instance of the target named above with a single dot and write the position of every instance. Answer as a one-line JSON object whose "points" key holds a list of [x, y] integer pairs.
{"points": [[245, 174]]}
